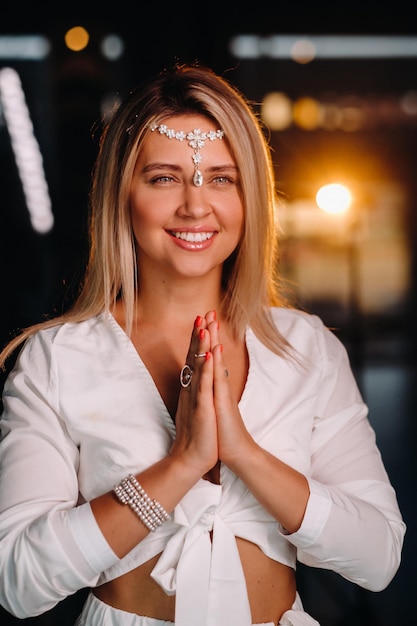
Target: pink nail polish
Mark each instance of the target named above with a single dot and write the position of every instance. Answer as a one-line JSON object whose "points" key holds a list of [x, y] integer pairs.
{"points": [[198, 321], [202, 333]]}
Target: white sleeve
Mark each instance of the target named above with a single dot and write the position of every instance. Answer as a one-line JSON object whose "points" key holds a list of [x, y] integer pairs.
{"points": [[352, 524], [49, 547]]}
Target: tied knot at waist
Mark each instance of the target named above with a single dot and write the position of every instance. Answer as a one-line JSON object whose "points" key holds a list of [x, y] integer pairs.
{"points": [[204, 572]]}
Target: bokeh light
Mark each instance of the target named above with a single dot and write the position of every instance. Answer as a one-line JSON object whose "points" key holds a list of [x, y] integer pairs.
{"points": [[77, 38], [112, 47], [277, 110], [334, 198], [307, 113], [303, 51]]}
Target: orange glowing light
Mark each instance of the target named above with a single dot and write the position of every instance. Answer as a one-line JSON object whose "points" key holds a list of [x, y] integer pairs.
{"points": [[77, 38], [334, 198]]}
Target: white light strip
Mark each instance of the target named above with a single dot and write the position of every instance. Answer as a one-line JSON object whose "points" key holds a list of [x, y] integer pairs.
{"points": [[24, 47], [26, 150], [325, 46]]}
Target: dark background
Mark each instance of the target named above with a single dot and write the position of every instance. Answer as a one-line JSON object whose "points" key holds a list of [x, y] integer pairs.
{"points": [[40, 273]]}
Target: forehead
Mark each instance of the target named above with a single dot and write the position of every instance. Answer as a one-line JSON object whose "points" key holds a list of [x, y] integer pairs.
{"points": [[183, 134], [188, 123]]}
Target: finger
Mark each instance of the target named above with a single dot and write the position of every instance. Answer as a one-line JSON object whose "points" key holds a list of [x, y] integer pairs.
{"points": [[199, 345], [199, 325], [213, 327], [196, 435], [205, 381], [203, 346], [211, 316], [232, 433], [220, 374]]}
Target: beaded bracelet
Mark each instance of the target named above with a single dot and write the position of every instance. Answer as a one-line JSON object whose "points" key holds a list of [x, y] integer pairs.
{"points": [[150, 512]]}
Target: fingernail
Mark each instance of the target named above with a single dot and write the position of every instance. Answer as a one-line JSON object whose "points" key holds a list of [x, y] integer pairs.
{"points": [[202, 333], [198, 321], [221, 347], [208, 356]]}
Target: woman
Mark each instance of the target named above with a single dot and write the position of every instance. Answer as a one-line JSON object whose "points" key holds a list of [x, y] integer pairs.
{"points": [[178, 439]]}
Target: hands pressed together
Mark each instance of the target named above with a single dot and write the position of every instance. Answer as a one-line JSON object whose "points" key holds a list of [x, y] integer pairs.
{"points": [[208, 422]]}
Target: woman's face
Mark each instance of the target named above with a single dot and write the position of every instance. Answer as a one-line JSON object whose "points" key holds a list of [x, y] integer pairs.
{"points": [[181, 229]]}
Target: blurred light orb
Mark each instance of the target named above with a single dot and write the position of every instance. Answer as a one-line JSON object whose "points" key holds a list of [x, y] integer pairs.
{"points": [[307, 113], [77, 38], [409, 103], [331, 116], [334, 198], [112, 47], [277, 110], [303, 51], [352, 119], [245, 46]]}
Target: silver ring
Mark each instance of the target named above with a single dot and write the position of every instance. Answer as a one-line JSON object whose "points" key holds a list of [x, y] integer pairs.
{"points": [[198, 355], [186, 375]]}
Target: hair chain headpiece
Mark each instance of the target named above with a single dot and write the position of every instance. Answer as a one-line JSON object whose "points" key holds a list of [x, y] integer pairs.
{"points": [[196, 140]]}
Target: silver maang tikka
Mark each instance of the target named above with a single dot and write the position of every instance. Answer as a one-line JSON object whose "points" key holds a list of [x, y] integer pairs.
{"points": [[196, 140]]}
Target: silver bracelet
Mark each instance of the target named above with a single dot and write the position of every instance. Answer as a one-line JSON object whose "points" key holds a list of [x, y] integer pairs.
{"points": [[150, 512]]}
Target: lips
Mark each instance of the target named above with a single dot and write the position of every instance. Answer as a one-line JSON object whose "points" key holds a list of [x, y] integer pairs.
{"points": [[193, 237]]}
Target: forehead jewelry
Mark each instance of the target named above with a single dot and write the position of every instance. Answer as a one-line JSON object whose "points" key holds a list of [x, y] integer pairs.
{"points": [[196, 140]]}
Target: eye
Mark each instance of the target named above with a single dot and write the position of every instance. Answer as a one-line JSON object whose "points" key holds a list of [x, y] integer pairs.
{"points": [[223, 180], [161, 180]]}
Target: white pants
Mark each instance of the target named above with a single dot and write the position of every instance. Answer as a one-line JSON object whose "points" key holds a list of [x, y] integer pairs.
{"points": [[97, 613]]}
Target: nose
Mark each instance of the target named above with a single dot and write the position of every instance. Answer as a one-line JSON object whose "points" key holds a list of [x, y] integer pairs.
{"points": [[194, 201]]}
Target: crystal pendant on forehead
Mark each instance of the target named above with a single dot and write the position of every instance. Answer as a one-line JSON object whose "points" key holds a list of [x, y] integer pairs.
{"points": [[196, 140], [198, 178]]}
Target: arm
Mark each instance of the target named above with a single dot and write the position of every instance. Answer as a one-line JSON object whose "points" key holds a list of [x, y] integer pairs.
{"points": [[50, 544], [342, 516], [41, 562], [353, 524]]}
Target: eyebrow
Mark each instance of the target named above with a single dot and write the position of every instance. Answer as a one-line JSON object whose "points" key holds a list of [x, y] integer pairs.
{"points": [[160, 166], [163, 166]]}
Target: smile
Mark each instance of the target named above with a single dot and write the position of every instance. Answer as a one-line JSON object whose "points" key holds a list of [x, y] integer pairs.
{"points": [[193, 237]]}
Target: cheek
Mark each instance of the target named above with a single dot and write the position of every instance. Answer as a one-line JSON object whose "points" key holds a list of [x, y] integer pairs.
{"points": [[140, 220], [139, 210], [235, 217], [136, 219]]}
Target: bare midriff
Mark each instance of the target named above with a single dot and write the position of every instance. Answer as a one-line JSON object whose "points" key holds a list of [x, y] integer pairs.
{"points": [[270, 584]]}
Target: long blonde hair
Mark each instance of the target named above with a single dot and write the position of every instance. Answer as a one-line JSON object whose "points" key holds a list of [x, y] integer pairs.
{"points": [[250, 278]]}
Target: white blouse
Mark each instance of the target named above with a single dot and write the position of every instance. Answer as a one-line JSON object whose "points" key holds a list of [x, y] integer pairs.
{"points": [[81, 411]]}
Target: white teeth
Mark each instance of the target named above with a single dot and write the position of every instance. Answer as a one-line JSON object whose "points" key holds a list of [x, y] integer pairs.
{"points": [[193, 237]]}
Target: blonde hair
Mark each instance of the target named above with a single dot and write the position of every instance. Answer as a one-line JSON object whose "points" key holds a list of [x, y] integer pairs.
{"points": [[250, 279]]}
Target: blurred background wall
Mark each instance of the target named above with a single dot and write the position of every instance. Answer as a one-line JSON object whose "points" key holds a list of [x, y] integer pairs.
{"points": [[336, 86]]}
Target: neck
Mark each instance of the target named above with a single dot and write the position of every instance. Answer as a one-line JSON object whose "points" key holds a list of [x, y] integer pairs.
{"points": [[181, 301]]}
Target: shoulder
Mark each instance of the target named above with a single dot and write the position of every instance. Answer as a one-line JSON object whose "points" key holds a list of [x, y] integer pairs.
{"points": [[288, 317], [67, 331], [306, 332], [291, 322], [92, 334], [68, 351]]}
